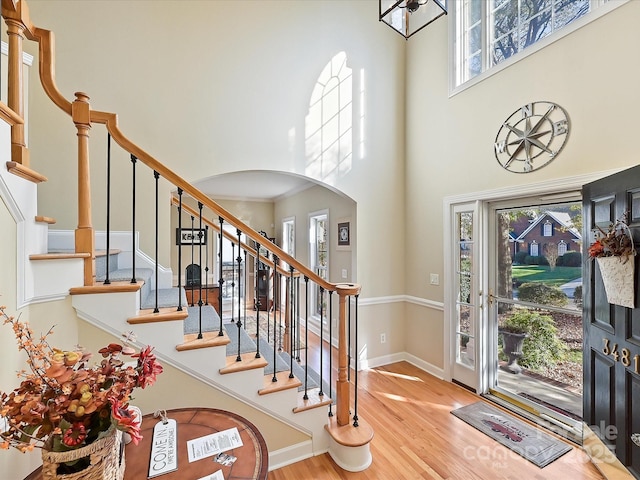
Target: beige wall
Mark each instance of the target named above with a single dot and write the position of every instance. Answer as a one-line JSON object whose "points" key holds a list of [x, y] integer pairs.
{"points": [[12, 463], [590, 73], [339, 208]]}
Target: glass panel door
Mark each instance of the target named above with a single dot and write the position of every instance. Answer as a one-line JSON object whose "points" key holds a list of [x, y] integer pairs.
{"points": [[536, 312], [465, 341]]}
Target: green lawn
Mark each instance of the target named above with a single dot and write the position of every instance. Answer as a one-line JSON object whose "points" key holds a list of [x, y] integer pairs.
{"points": [[535, 273]]}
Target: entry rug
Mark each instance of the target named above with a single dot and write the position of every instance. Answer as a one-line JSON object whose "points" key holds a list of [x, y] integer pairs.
{"points": [[531, 443]]}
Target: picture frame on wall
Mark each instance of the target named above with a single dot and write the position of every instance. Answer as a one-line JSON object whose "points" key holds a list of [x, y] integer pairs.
{"points": [[191, 236], [344, 234]]}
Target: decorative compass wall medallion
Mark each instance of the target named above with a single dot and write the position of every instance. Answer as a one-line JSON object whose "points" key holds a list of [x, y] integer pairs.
{"points": [[532, 137]]}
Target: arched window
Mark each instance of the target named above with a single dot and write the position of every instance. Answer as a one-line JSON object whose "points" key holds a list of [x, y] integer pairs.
{"points": [[329, 123], [562, 248], [533, 249], [547, 229]]}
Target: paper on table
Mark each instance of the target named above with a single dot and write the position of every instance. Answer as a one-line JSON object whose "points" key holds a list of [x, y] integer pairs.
{"points": [[214, 476], [213, 444]]}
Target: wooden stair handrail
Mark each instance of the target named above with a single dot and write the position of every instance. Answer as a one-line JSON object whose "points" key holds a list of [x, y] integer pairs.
{"points": [[16, 14]]}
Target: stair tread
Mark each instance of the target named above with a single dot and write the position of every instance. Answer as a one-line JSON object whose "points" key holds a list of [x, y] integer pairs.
{"points": [[284, 382], [58, 255], [163, 315], [349, 435], [314, 400], [248, 361], [208, 340], [115, 287], [43, 219]]}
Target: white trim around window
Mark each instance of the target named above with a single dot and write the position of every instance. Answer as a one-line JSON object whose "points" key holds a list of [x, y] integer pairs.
{"points": [[599, 8]]}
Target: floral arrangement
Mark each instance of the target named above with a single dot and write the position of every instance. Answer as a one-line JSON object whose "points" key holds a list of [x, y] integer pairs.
{"points": [[63, 403], [616, 241]]}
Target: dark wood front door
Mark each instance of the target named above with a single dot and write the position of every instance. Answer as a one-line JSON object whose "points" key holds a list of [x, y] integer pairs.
{"points": [[611, 332]]}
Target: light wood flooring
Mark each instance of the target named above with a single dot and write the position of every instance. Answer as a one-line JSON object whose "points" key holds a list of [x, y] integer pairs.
{"points": [[416, 437]]}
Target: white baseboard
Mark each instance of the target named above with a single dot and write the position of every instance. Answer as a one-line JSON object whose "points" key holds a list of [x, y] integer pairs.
{"points": [[400, 357], [292, 454]]}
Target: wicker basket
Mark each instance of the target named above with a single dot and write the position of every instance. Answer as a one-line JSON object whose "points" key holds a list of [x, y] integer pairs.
{"points": [[106, 455]]}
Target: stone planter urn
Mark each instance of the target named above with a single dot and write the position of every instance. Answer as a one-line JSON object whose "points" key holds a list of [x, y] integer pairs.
{"points": [[512, 346]]}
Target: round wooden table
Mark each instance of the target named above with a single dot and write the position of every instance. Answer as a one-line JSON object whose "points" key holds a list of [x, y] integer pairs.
{"points": [[252, 458]]}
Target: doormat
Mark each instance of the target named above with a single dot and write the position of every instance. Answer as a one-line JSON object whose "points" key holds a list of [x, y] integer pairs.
{"points": [[531, 443]]}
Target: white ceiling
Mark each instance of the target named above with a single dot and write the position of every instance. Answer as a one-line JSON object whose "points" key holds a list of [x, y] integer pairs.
{"points": [[255, 185]]}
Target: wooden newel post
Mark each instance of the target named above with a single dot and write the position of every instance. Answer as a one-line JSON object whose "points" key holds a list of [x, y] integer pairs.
{"points": [[85, 240], [15, 89], [343, 388]]}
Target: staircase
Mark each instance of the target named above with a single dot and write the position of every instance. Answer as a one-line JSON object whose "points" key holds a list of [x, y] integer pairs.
{"points": [[117, 287]]}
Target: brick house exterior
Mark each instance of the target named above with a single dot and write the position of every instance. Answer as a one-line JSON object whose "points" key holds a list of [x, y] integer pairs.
{"points": [[550, 228]]}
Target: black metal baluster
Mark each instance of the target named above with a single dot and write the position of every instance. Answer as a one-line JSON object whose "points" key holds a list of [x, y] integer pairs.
{"points": [[213, 263], [221, 280], [193, 286], [321, 392], [330, 351], [355, 395], [349, 339], [106, 280], [257, 300], [306, 338], [275, 330], [133, 220], [246, 287], [267, 309], [200, 270], [239, 260], [298, 339], [179, 250], [291, 320], [233, 281], [206, 264], [156, 175], [279, 308]]}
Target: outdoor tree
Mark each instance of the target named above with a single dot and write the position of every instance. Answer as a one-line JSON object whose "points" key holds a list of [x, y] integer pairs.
{"points": [[518, 24], [505, 277], [551, 254], [505, 285]]}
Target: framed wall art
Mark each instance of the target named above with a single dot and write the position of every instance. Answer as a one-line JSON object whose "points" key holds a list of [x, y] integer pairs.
{"points": [[344, 234], [191, 236]]}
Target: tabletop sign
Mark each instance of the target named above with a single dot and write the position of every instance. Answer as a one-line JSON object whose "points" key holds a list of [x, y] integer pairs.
{"points": [[164, 455]]}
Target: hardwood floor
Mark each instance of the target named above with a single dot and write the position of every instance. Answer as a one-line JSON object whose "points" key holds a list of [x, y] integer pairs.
{"points": [[416, 437]]}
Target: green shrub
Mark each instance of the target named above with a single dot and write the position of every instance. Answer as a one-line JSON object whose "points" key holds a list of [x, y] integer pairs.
{"points": [[570, 259], [537, 260], [520, 257], [542, 347], [543, 294]]}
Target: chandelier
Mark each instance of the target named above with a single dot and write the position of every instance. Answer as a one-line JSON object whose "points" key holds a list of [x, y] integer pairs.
{"points": [[410, 16]]}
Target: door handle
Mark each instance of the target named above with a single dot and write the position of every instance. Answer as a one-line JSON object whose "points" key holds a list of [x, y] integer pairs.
{"points": [[635, 438]]}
